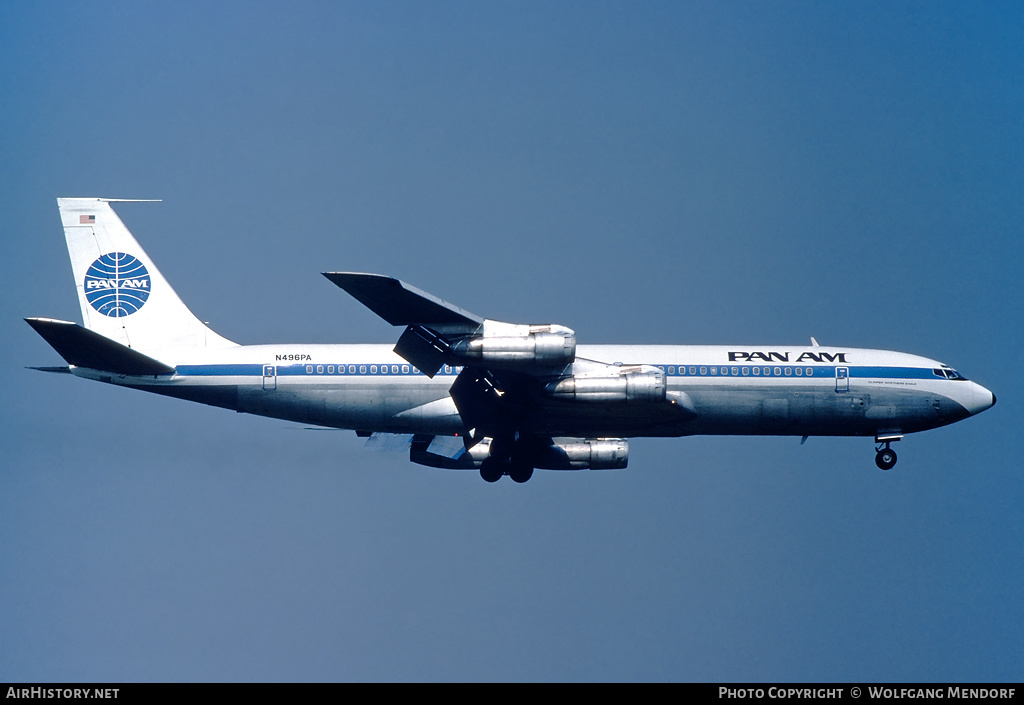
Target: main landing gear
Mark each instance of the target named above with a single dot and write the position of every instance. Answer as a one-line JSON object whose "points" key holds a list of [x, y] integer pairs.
{"points": [[506, 459], [492, 469], [885, 457]]}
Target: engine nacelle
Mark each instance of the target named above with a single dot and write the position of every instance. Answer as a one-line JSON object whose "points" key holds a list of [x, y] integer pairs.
{"points": [[592, 454], [553, 346], [635, 385], [570, 454]]}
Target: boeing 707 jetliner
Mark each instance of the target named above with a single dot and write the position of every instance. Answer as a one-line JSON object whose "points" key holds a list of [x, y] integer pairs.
{"points": [[461, 391]]}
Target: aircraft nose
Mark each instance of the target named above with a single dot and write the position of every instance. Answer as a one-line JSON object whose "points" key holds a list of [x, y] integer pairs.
{"points": [[981, 399]]}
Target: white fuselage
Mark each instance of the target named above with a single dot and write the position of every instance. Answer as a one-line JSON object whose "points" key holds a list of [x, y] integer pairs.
{"points": [[742, 390]]}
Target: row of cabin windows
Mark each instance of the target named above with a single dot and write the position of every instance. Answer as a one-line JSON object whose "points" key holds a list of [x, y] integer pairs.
{"points": [[372, 369], [362, 369], [745, 371]]}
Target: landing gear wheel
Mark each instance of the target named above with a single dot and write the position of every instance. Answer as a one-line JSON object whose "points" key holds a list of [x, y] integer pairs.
{"points": [[520, 473], [886, 459], [491, 469]]}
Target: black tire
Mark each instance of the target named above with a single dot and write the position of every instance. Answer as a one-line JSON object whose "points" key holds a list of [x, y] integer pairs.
{"points": [[491, 469], [520, 473], [886, 459]]}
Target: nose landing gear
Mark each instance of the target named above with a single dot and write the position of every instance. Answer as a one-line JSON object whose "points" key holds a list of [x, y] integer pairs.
{"points": [[885, 457]]}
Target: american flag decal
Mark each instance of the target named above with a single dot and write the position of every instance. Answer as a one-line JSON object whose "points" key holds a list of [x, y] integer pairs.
{"points": [[86, 219]]}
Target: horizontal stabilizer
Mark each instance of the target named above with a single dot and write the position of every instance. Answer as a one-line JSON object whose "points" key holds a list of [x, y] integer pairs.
{"points": [[401, 304], [82, 347]]}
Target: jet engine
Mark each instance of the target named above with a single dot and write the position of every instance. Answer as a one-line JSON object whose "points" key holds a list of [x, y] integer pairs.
{"points": [[553, 346], [640, 383], [584, 454]]}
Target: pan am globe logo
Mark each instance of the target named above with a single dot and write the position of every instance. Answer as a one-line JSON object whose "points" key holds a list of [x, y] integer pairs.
{"points": [[117, 284]]}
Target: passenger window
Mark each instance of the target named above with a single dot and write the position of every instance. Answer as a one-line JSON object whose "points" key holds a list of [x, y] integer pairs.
{"points": [[671, 370], [703, 370], [693, 370], [405, 369], [789, 371], [330, 369], [746, 371], [810, 371], [319, 369], [757, 371], [309, 369], [362, 369], [798, 371], [735, 371]]}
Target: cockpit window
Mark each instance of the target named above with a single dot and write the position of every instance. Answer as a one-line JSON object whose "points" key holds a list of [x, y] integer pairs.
{"points": [[947, 373]]}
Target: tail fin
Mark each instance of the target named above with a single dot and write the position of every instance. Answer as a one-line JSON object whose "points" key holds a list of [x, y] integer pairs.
{"points": [[122, 293]]}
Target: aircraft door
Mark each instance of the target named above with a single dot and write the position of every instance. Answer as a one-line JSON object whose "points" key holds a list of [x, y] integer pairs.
{"points": [[842, 379], [269, 377]]}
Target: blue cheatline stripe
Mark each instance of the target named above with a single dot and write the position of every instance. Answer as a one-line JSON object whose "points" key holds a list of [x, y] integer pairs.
{"points": [[791, 371], [894, 372], [374, 370], [300, 370]]}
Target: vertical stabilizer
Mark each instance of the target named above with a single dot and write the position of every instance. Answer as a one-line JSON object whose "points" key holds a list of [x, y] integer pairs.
{"points": [[122, 293]]}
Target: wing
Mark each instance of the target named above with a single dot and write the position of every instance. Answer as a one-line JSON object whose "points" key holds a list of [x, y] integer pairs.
{"points": [[439, 333], [517, 378], [401, 304], [430, 322]]}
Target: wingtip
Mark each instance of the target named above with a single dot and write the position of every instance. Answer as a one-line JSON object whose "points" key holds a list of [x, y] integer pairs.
{"points": [[337, 277]]}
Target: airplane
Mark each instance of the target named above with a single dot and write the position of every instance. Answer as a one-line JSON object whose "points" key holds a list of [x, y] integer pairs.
{"points": [[459, 391]]}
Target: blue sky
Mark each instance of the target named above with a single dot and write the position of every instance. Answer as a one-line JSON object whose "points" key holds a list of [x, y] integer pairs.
{"points": [[641, 172]]}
